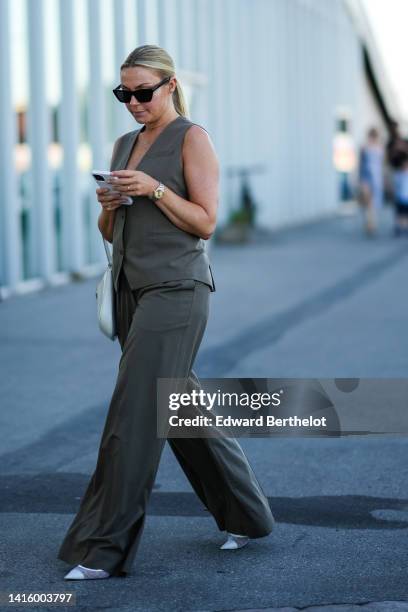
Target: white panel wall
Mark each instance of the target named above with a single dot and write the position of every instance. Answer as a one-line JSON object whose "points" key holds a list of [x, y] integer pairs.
{"points": [[276, 72], [10, 242]]}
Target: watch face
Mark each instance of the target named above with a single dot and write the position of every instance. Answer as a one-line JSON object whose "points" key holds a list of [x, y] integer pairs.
{"points": [[158, 193]]}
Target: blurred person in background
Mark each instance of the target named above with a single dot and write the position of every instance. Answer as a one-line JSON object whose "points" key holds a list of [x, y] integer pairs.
{"points": [[397, 154], [400, 184], [371, 179]]}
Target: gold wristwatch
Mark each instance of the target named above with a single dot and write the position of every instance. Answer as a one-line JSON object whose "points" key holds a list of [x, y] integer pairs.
{"points": [[158, 192]]}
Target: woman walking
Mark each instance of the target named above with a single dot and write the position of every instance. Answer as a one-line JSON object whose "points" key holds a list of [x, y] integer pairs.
{"points": [[163, 280], [371, 179]]}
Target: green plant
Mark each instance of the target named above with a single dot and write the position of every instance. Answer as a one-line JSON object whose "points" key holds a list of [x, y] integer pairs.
{"points": [[240, 215]]}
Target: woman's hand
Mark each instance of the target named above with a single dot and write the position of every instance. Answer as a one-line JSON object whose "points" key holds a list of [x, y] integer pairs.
{"points": [[133, 182], [109, 200]]}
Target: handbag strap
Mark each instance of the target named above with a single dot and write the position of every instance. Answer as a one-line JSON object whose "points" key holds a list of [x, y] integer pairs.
{"points": [[107, 251]]}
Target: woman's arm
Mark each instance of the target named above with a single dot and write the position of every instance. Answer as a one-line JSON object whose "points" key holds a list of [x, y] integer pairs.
{"points": [[106, 222], [201, 173], [106, 219]]}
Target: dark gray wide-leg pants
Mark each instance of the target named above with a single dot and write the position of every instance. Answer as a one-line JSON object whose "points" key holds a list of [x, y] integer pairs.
{"points": [[160, 328]]}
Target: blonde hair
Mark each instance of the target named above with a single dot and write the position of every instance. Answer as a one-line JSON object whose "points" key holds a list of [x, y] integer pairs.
{"points": [[157, 58]]}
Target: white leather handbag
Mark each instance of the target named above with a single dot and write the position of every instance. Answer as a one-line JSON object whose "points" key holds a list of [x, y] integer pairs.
{"points": [[105, 299]]}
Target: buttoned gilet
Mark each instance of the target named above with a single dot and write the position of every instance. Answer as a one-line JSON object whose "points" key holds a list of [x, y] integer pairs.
{"points": [[146, 243]]}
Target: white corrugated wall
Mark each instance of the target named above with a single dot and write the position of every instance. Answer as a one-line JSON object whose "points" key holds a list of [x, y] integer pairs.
{"points": [[265, 78]]}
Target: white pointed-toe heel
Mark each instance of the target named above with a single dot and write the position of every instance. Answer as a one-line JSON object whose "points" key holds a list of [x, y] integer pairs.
{"points": [[234, 541], [79, 572]]}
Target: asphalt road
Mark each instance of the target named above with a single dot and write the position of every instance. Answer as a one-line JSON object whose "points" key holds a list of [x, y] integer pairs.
{"points": [[320, 300]]}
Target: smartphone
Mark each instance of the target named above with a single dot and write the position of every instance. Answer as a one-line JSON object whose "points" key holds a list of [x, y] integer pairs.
{"points": [[100, 177]]}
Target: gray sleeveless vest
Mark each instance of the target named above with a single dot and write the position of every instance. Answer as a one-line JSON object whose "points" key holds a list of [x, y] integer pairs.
{"points": [[146, 243]]}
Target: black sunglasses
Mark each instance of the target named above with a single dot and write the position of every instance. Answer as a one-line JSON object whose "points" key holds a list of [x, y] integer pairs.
{"points": [[141, 95]]}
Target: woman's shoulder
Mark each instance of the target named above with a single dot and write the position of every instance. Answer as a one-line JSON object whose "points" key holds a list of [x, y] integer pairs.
{"points": [[197, 144], [126, 136], [195, 134], [122, 139], [195, 128]]}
